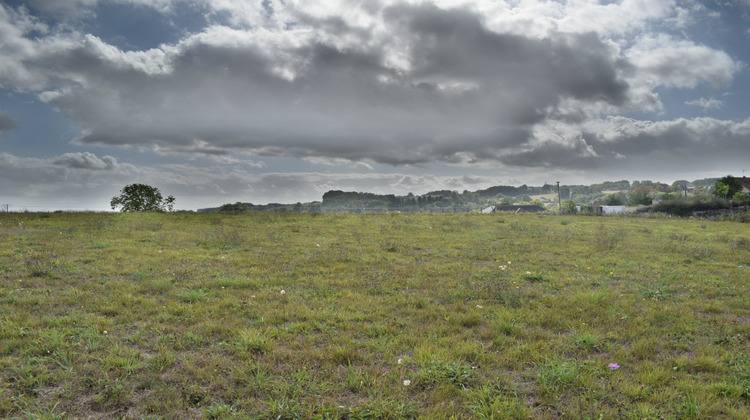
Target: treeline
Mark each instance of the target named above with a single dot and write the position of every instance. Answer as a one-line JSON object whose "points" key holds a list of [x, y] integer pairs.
{"points": [[610, 193]]}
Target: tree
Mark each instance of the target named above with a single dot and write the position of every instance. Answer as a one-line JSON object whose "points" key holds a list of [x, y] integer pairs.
{"points": [[641, 196], [727, 187], [569, 207], [536, 203], [614, 199], [141, 197], [722, 190]]}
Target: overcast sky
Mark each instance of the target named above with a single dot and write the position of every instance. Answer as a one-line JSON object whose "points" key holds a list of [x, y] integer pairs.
{"points": [[219, 101]]}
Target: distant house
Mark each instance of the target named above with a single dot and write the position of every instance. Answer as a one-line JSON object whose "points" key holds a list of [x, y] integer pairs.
{"points": [[745, 184], [528, 208], [611, 210]]}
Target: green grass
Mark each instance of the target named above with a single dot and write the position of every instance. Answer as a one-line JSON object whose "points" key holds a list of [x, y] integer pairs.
{"points": [[381, 316]]}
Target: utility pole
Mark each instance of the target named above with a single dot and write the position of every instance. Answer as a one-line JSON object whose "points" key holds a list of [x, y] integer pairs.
{"points": [[559, 201]]}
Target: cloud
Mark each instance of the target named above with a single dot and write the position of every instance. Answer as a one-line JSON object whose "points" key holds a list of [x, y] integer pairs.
{"points": [[85, 160], [699, 144], [364, 83], [663, 61], [706, 103], [72, 10], [85, 167], [7, 122], [626, 144], [432, 85]]}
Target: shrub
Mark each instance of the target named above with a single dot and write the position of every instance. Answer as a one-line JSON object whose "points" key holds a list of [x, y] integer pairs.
{"points": [[687, 207]]}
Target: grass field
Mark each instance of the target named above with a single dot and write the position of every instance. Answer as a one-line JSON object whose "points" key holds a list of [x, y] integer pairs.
{"points": [[373, 316]]}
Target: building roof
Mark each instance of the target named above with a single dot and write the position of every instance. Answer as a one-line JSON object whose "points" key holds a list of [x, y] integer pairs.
{"points": [[517, 208], [745, 183]]}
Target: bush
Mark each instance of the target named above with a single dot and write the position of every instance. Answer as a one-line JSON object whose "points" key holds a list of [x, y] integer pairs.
{"points": [[685, 208], [569, 207]]}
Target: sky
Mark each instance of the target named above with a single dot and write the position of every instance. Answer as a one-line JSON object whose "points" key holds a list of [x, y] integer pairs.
{"points": [[220, 101]]}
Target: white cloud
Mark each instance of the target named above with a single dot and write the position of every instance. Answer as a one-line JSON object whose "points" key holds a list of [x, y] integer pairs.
{"points": [[706, 104], [86, 160], [664, 61]]}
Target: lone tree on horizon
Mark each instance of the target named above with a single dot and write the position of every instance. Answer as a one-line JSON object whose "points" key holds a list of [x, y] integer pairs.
{"points": [[141, 197]]}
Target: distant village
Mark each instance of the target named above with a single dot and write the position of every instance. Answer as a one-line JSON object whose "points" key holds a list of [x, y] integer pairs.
{"points": [[606, 197]]}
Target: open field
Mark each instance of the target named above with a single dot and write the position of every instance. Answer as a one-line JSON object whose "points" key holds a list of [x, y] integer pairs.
{"points": [[373, 316]]}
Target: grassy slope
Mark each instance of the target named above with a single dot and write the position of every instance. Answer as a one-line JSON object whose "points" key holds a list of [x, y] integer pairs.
{"points": [[182, 315]]}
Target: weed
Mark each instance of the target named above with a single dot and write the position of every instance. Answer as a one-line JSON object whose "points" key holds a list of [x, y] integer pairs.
{"points": [[42, 413], [251, 341], [534, 278], [608, 240], [742, 243], [505, 325], [587, 341], [555, 374], [194, 295], [383, 408], [282, 409], [437, 371], [655, 294], [29, 377], [112, 391], [353, 381], [218, 410], [345, 354], [690, 408], [498, 402]]}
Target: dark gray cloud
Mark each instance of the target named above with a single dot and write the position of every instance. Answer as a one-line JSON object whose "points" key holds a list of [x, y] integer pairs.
{"points": [[548, 154], [622, 143], [464, 93], [457, 44], [683, 138], [7, 122]]}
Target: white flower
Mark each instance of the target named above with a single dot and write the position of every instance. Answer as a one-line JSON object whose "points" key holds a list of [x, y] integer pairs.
{"points": [[400, 361], [283, 292], [407, 382], [502, 267], [104, 332]]}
